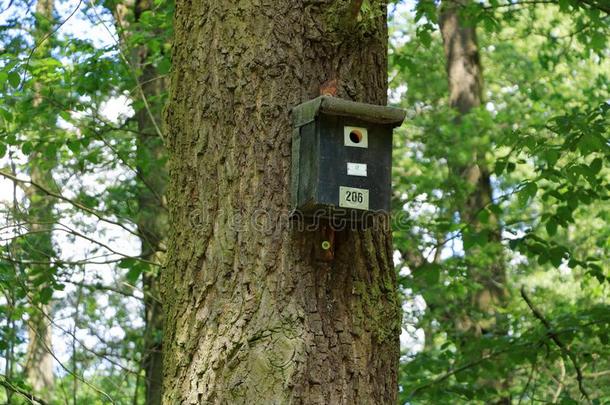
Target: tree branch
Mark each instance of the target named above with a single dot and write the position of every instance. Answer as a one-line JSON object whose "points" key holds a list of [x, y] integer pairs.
{"points": [[520, 3], [75, 204], [555, 338], [64, 228], [457, 370], [601, 6], [18, 390]]}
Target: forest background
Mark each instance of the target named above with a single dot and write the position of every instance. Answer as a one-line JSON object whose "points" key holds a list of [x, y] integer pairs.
{"points": [[501, 236]]}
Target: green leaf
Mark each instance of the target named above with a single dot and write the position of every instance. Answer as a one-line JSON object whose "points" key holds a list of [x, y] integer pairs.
{"points": [[27, 148], [564, 5], [14, 79], [551, 156], [596, 166], [74, 146], [551, 226], [556, 255], [483, 216], [496, 209], [164, 66], [471, 239], [65, 115], [527, 193], [45, 295], [500, 166], [127, 263], [597, 41], [133, 274], [564, 214], [429, 272]]}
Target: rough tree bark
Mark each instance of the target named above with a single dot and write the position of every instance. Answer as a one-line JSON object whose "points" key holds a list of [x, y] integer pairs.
{"points": [[150, 194], [253, 315], [39, 244], [465, 78]]}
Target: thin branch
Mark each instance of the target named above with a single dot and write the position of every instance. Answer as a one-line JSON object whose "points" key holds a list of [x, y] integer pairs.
{"points": [[65, 263], [519, 3], [555, 338], [18, 390], [80, 378], [138, 174], [601, 6], [597, 374], [68, 230], [135, 75], [75, 204], [49, 35], [457, 370]]}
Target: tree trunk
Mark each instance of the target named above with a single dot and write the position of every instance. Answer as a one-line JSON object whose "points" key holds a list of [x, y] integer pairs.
{"points": [[150, 194], [152, 225], [39, 360], [465, 93], [253, 313]]}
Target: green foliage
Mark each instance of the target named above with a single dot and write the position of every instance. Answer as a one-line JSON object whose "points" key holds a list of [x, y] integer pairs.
{"points": [[544, 131], [54, 127]]}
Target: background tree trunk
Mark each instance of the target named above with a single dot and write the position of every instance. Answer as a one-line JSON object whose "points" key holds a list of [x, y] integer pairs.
{"points": [[252, 313], [39, 244], [151, 185], [465, 78], [465, 93], [152, 224]]}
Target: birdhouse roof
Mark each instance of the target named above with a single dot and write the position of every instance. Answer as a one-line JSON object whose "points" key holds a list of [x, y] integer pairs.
{"points": [[308, 111]]}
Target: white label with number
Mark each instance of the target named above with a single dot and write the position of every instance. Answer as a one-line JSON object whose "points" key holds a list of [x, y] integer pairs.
{"points": [[356, 169], [350, 197]]}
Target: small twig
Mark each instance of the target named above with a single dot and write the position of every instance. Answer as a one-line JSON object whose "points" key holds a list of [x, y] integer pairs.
{"points": [[10, 3], [555, 338]]}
